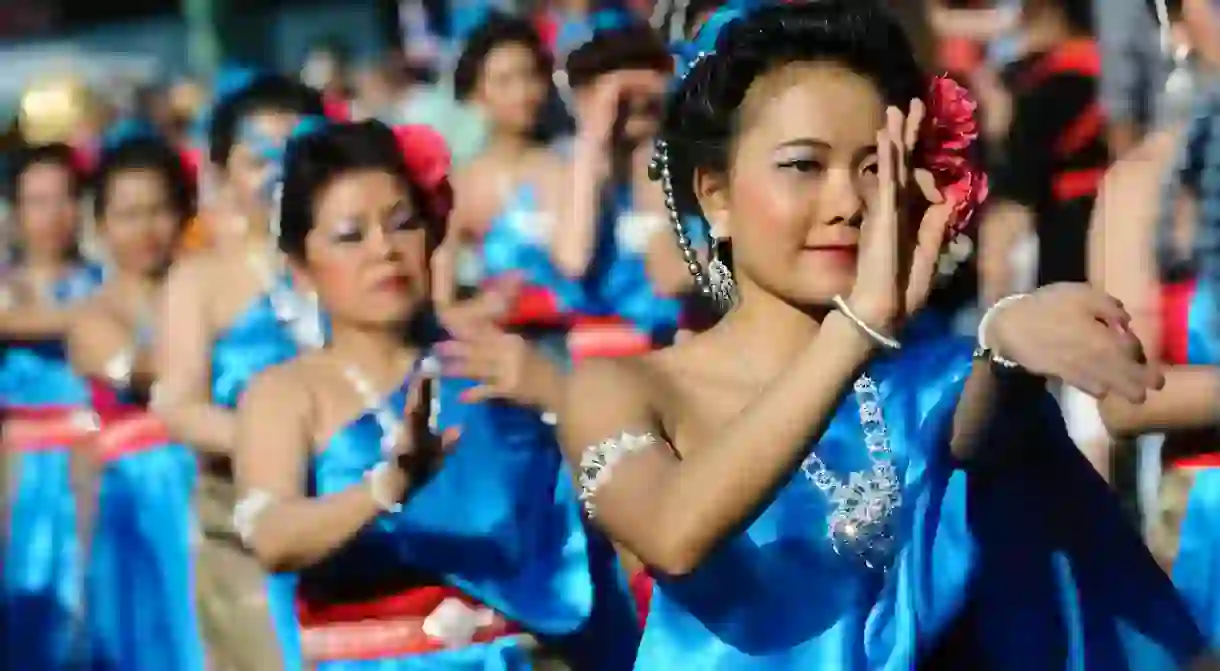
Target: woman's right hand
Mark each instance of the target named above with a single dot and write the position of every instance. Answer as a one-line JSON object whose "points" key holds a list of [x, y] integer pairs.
{"points": [[420, 447], [597, 122], [897, 261]]}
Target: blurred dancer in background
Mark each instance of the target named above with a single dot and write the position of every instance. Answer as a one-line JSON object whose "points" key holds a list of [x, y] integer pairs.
{"points": [[1155, 249], [228, 314], [140, 607], [44, 408]]}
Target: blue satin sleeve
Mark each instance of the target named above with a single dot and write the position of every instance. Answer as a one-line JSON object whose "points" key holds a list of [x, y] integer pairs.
{"points": [[1061, 578], [1196, 570]]}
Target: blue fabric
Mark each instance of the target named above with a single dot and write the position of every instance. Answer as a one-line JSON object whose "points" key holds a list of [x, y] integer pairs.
{"points": [[141, 601], [41, 570], [1196, 570], [255, 341], [1029, 555], [499, 522], [616, 282]]}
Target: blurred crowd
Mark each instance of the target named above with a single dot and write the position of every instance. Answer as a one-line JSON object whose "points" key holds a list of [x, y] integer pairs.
{"points": [[1075, 98]]}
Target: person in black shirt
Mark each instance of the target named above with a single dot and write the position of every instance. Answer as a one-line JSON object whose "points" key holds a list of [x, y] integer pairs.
{"points": [[1055, 152]]}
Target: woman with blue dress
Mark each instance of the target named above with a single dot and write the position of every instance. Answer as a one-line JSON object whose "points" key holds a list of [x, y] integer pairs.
{"points": [[401, 561], [44, 409], [229, 313], [138, 531], [1154, 248], [810, 487]]}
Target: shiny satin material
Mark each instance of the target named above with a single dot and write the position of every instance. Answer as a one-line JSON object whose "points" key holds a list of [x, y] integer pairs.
{"points": [[41, 568], [616, 282], [1196, 570], [499, 522], [139, 580], [254, 342], [1012, 565]]}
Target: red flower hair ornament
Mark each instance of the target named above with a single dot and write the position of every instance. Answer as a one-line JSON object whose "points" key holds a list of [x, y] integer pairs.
{"points": [[949, 131], [428, 163]]}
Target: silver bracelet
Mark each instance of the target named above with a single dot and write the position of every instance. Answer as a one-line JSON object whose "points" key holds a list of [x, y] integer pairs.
{"points": [[873, 334], [984, 348], [119, 368], [247, 511], [377, 488], [597, 460]]}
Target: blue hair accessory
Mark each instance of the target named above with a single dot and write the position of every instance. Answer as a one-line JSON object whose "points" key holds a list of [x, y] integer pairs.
{"points": [[127, 130], [275, 152]]}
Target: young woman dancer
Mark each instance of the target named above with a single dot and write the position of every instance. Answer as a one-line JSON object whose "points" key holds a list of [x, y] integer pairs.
{"points": [[45, 410], [797, 477], [404, 562], [139, 604], [229, 313]]}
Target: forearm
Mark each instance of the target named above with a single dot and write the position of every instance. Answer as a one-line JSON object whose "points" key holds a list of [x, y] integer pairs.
{"points": [[209, 429], [35, 323], [576, 233], [1006, 224], [292, 535], [974, 424], [1189, 400], [716, 489]]}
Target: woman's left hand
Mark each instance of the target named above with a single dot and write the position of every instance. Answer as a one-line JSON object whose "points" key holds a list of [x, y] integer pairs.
{"points": [[1076, 334]]}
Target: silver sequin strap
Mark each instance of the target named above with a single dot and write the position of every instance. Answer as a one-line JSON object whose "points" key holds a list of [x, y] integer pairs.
{"points": [[597, 460]]}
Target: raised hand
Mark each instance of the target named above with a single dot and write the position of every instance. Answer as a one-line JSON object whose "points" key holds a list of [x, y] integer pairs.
{"points": [[597, 121], [1076, 334], [504, 365], [898, 259], [419, 450]]}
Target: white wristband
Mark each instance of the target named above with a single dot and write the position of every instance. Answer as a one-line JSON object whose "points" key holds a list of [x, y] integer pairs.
{"points": [[986, 321], [377, 488], [873, 334]]}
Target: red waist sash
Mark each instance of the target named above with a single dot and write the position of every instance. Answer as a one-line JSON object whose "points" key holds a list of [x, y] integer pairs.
{"points": [[1208, 460], [417, 621], [33, 429]]}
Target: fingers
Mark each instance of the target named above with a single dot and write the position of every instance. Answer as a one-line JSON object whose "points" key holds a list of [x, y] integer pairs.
{"points": [[895, 128], [914, 122], [927, 186], [464, 360], [1114, 366]]}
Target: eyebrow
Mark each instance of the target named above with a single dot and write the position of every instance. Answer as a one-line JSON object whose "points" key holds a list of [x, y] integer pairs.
{"points": [[813, 143]]}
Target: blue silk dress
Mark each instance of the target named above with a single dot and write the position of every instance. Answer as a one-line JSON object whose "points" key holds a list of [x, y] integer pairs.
{"points": [[616, 282], [255, 341], [1023, 562], [500, 523], [1192, 337], [140, 586], [41, 570]]}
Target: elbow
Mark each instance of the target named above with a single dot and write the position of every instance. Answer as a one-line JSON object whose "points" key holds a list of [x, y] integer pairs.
{"points": [[571, 265], [677, 553]]}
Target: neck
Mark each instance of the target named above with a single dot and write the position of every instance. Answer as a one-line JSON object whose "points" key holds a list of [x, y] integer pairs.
{"points": [[772, 330], [374, 350], [44, 262], [140, 285], [508, 144]]}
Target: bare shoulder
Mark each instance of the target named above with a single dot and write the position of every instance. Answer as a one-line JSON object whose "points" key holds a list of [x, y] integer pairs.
{"points": [[281, 391]]}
